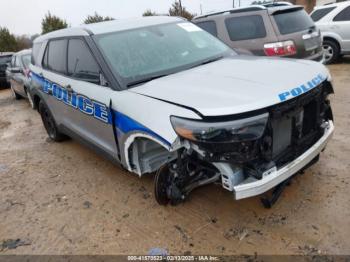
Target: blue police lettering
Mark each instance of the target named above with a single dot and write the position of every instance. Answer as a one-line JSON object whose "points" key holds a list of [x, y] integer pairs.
{"points": [[47, 87], [301, 89], [101, 112], [85, 105], [57, 91], [77, 101], [296, 91]]}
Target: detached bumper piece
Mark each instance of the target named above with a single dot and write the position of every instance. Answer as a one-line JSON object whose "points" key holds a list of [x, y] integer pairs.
{"points": [[251, 187]]}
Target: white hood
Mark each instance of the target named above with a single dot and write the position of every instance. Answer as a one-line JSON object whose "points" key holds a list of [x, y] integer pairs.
{"points": [[235, 85]]}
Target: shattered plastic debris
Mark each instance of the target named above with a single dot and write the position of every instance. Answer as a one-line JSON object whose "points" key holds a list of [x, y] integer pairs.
{"points": [[14, 243], [3, 168], [157, 252]]}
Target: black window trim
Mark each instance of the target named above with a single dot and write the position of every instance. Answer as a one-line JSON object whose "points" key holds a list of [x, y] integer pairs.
{"points": [[333, 20], [66, 69]]}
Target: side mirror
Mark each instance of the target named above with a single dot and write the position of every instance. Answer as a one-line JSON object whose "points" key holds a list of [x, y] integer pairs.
{"points": [[16, 70]]}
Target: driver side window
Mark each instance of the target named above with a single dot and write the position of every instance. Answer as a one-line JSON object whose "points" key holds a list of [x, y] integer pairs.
{"points": [[81, 63]]}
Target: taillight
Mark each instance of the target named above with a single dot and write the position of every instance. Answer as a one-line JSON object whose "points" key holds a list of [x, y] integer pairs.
{"points": [[280, 48]]}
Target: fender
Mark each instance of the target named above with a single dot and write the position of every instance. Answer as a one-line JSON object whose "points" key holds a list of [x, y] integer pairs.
{"points": [[335, 36]]}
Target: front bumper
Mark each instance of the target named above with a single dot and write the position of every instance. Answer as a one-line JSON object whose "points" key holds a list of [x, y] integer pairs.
{"points": [[253, 187]]}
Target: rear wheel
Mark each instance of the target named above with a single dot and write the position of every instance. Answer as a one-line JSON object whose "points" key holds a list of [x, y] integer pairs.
{"points": [[331, 51], [50, 124]]}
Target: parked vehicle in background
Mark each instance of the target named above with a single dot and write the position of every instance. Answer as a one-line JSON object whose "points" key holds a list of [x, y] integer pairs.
{"points": [[5, 59], [159, 94], [276, 29], [334, 22], [18, 74]]}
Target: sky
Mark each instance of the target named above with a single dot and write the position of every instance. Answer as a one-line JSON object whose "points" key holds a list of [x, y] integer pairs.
{"points": [[23, 17]]}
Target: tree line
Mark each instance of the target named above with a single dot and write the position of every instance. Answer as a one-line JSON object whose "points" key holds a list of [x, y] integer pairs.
{"points": [[11, 43]]}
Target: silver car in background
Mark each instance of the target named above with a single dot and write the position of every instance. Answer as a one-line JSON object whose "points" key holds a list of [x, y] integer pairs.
{"points": [[18, 74], [334, 22]]}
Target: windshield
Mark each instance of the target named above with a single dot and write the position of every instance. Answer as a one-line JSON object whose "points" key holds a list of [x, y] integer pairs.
{"points": [[5, 59], [295, 21], [26, 60], [150, 52]]}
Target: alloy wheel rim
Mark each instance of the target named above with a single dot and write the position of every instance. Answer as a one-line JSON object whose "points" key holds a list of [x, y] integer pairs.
{"points": [[328, 52]]}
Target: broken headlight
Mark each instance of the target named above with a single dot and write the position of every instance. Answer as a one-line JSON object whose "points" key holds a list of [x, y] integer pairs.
{"points": [[246, 129]]}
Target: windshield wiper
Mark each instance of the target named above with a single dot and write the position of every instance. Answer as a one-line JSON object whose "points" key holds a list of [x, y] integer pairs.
{"points": [[145, 80], [207, 61]]}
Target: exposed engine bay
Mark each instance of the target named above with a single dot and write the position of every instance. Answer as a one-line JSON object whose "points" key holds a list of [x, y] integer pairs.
{"points": [[238, 150]]}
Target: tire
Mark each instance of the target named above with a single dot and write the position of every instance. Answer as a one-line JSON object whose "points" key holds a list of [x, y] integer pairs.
{"points": [[160, 185], [15, 95], [331, 51], [50, 124]]}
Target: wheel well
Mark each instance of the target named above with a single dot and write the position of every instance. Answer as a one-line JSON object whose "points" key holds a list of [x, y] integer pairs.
{"points": [[333, 40], [147, 156]]}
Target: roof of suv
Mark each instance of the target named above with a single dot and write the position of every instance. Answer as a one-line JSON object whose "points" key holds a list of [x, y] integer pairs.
{"points": [[270, 7], [109, 26]]}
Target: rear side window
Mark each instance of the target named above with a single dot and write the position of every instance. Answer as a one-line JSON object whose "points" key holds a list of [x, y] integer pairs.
{"points": [[209, 26], [35, 53], [295, 21], [55, 56], [245, 27], [81, 63], [318, 14], [343, 15]]}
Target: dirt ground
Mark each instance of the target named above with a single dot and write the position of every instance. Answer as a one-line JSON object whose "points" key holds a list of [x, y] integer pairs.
{"points": [[62, 198]]}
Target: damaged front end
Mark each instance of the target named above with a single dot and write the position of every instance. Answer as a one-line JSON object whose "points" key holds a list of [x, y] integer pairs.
{"points": [[250, 153]]}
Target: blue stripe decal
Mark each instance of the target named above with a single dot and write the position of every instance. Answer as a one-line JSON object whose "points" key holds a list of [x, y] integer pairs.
{"points": [[93, 108], [127, 124]]}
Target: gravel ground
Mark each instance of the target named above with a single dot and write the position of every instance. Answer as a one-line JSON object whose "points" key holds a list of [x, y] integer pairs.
{"points": [[61, 198]]}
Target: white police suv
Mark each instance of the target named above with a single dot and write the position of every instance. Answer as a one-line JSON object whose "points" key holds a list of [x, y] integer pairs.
{"points": [[159, 94]]}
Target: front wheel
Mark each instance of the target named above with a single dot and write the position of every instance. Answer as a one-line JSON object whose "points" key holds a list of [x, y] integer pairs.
{"points": [[50, 124], [161, 184], [331, 51]]}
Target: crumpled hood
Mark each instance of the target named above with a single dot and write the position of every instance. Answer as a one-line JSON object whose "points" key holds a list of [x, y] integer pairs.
{"points": [[236, 84]]}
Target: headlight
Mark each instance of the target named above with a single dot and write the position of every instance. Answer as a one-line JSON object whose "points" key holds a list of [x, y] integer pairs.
{"points": [[246, 129]]}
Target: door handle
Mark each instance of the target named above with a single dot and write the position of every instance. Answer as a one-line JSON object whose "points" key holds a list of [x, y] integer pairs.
{"points": [[69, 89]]}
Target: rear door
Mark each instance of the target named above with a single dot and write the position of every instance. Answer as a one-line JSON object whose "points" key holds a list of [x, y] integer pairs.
{"points": [[296, 25], [341, 26], [54, 69]]}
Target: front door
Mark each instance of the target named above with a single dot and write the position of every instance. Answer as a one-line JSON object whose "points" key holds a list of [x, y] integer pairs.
{"points": [[89, 114]]}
